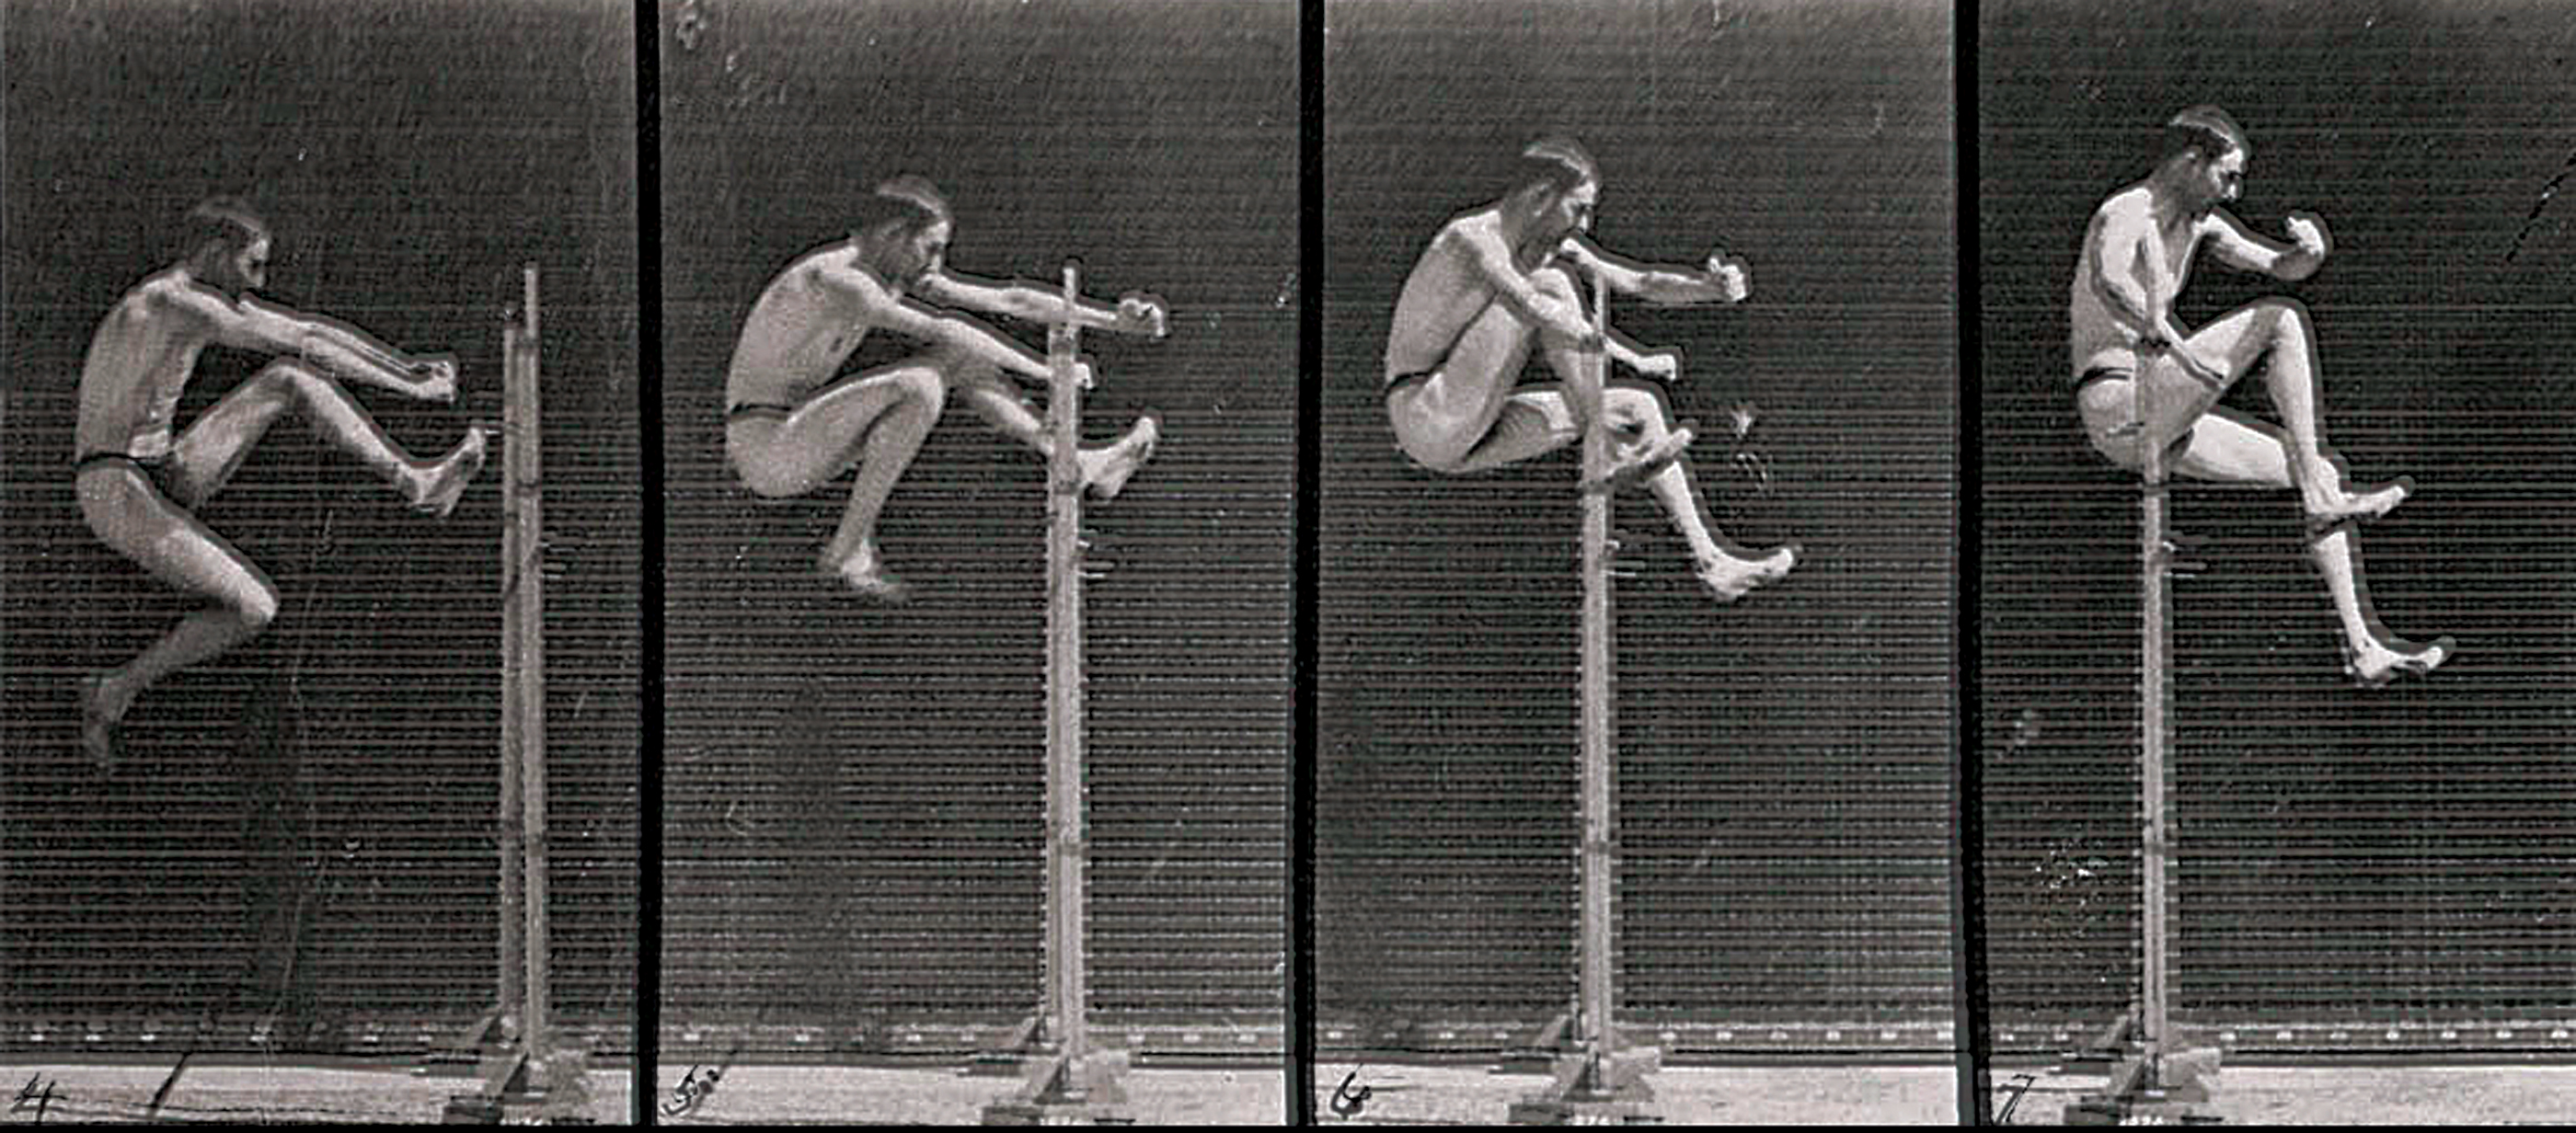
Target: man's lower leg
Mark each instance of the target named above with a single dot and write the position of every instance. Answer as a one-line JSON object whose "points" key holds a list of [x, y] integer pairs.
{"points": [[1728, 574], [198, 637], [893, 440], [2368, 656], [2291, 377]]}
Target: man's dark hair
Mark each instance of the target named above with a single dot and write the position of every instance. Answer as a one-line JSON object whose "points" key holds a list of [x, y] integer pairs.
{"points": [[2205, 130], [909, 199], [229, 220], [1559, 161]]}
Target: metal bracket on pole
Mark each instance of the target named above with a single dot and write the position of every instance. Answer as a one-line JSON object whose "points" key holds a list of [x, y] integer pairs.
{"points": [[1600, 1080], [1066, 1080]]}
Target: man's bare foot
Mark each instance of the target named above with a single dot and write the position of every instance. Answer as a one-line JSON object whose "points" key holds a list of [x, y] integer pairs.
{"points": [[1645, 461], [2337, 505], [102, 735], [2379, 662], [1729, 578], [1106, 471], [864, 574], [454, 473]]}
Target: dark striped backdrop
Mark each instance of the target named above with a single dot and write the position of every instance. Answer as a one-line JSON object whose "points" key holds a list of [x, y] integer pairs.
{"points": [[302, 842], [2357, 869], [853, 794], [1784, 763]]}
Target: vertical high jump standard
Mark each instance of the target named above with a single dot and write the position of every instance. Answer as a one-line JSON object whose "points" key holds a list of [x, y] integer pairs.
{"points": [[1600, 1079], [2158, 1081], [1065, 1079], [512, 1041]]}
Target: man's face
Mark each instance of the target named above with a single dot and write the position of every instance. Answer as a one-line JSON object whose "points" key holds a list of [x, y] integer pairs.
{"points": [[2219, 181], [1569, 212], [250, 265], [926, 250]]}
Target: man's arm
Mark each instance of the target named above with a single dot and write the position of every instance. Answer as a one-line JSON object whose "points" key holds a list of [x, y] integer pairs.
{"points": [[882, 308], [341, 351], [1722, 280], [2240, 247], [1663, 365], [1134, 314]]}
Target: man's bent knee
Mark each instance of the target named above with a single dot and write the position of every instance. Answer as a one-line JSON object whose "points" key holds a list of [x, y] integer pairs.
{"points": [[284, 374], [1631, 408], [956, 365], [256, 608], [2285, 316]]}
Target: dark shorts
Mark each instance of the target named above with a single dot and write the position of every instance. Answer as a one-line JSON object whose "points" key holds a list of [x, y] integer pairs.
{"points": [[2099, 373], [160, 473], [1406, 381]]}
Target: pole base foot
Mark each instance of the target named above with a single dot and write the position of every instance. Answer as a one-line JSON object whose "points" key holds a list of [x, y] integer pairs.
{"points": [[1595, 1089], [1067, 1091], [2174, 1089]]}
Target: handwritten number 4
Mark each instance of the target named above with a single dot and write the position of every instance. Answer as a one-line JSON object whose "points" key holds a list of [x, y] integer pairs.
{"points": [[29, 1093]]}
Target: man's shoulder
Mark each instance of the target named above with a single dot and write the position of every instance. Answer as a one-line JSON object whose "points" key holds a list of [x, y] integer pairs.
{"points": [[1474, 223], [170, 290], [2129, 202]]}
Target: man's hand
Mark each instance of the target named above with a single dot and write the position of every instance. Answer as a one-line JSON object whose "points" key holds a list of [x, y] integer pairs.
{"points": [[1566, 319], [1663, 365], [434, 379], [2153, 345], [2308, 231], [1141, 313], [1730, 275]]}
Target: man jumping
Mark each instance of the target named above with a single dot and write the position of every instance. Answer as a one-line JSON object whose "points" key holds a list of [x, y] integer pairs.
{"points": [[139, 484], [2137, 256], [790, 428], [1499, 279]]}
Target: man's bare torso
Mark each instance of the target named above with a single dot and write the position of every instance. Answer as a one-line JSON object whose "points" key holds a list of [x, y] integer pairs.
{"points": [[1442, 296], [139, 362], [2098, 338], [799, 332]]}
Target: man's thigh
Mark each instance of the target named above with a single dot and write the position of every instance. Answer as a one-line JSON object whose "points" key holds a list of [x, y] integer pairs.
{"points": [[131, 516], [791, 453]]}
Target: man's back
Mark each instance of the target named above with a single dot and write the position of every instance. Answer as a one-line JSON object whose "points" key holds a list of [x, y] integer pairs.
{"points": [[1444, 293], [797, 334], [138, 364]]}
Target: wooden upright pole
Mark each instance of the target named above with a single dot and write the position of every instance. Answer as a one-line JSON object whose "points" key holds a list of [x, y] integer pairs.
{"points": [[513, 837], [527, 524], [2155, 713], [1066, 1001], [1596, 1001]]}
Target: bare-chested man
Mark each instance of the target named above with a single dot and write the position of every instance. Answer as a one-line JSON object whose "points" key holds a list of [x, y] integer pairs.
{"points": [[2137, 256], [790, 428], [1499, 279], [138, 482]]}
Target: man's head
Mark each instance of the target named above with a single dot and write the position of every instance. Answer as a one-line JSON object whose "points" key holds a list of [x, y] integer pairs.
{"points": [[904, 227], [1557, 190], [2205, 153], [228, 245]]}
